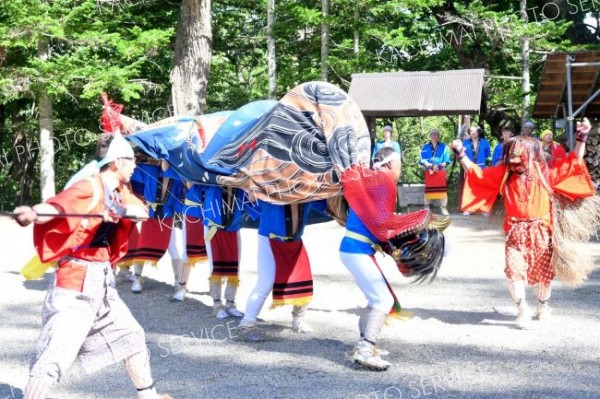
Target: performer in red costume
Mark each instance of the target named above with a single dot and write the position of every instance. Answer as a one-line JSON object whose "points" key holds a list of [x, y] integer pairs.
{"points": [[528, 186], [83, 316]]}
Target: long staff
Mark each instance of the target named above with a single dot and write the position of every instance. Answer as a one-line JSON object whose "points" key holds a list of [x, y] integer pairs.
{"points": [[67, 215]]}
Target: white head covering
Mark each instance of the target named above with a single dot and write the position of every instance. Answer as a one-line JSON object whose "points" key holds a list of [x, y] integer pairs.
{"points": [[529, 124], [388, 127], [118, 148]]}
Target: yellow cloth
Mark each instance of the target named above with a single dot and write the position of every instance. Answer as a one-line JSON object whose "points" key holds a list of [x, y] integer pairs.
{"points": [[436, 196], [154, 205], [283, 238], [212, 230], [189, 202], [360, 237], [35, 269]]}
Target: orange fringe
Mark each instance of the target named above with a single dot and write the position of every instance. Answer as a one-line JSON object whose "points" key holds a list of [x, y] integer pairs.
{"points": [[233, 280], [193, 261], [130, 262], [292, 301], [403, 315]]}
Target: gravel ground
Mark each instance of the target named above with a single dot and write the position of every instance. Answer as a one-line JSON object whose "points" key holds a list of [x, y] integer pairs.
{"points": [[454, 347]]}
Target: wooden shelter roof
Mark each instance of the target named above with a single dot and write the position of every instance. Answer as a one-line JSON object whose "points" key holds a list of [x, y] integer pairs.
{"points": [[392, 94], [552, 93]]}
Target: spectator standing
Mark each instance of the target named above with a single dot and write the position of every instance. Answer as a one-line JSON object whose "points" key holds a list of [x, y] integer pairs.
{"points": [[435, 157], [507, 133], [387, 141]]}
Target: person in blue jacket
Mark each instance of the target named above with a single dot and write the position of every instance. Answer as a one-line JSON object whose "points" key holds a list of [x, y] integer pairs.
{"points": [[387, 141], [507, 133], [477, 148], [435, 157]]}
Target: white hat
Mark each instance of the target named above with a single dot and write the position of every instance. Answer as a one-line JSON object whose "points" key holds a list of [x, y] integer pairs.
{"points": [[118, 148], [529, 124], [388, 127]]}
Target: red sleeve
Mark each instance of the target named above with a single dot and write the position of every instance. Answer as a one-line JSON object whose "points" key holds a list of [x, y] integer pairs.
{"points": [[482, 186], [54, 239], [570, 178], [76, 199]]}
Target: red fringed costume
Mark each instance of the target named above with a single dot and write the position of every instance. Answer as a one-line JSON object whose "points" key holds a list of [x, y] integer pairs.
{"points": [[224, 249], [293, 277], [528, 222], [195, 245]]}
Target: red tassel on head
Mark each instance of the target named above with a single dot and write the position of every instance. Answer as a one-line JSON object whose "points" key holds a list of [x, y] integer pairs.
{"points": [[201, 134], [110, 120]]}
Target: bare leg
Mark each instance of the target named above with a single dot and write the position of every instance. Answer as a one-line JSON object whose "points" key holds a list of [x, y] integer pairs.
{"points": [[138, 368]]}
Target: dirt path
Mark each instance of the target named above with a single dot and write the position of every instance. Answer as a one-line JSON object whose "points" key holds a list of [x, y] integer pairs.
{"points": [[454, 347]]}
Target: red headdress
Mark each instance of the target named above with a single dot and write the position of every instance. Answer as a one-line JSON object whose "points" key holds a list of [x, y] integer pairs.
{"points": [[372, 195], [110, 121], [414, 239]]}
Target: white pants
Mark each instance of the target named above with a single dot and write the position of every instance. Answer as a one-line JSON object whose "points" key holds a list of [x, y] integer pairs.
{"points": [[264, 279], [177, 244], [369, 280]]}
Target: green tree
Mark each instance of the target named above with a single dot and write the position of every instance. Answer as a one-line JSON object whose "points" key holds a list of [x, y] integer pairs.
{"points": [[59, 56], [127, 49], [239, 71]]}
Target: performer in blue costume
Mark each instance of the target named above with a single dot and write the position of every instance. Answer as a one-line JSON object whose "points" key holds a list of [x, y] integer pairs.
{"points": [[387, 141], [192, 214], [223, 208], [477, 148], [163, 231], [357, 252], [283, 264]]}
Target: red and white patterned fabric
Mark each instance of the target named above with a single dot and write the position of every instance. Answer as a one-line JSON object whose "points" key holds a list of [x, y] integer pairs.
{"points": [[529, 252]]}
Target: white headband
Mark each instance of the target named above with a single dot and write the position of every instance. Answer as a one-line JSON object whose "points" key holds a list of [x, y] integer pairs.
{"points": [[119, 147]]}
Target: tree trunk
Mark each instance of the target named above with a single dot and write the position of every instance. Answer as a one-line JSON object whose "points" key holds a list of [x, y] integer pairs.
{"points": [[46, 135], [525, 86], [191, 61], [325, 40], [24, 156], [271, 61]]}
